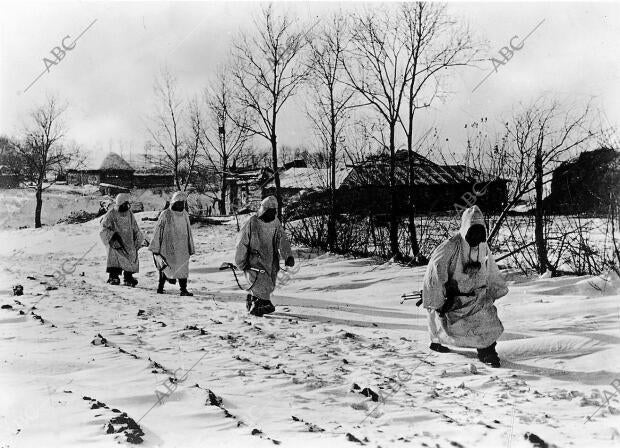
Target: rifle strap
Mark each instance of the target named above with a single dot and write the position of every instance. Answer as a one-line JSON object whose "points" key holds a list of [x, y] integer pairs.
{"points": [[239, 284]]}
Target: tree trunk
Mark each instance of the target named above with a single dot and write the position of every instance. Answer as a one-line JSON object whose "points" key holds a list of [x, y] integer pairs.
{"points": [[331, 223], [274, 150], [39, 206], [394, 250], [224, 186], [539, 217], [413, 236], [176, 178], [276, 174], [613, 209]]}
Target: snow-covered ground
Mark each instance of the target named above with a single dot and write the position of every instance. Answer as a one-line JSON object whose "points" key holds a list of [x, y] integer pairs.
{"points": [[59, 200], [295, 377]]}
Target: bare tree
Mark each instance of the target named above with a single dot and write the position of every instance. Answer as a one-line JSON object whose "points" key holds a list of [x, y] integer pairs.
{"points": [[537, 138], [331, 99], [437, 44], [224, 139], [378, 66], [267, 71], [614, 224], [359, 140], [167, 128], [557, 133], [193, 142], [254, 157], [42, 151]]}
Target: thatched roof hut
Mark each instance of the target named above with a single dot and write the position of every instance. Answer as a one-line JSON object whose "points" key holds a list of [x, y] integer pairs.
{"points": [[114, 162]]}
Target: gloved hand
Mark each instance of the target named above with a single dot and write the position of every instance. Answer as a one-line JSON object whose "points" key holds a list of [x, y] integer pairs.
{"points": [[452, 289], [452, 292], [447, 306], [290, 262]]}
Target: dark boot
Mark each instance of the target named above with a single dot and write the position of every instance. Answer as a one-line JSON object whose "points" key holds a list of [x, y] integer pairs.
{"points": [[489, 355], [439, 348], [183, 286], [128, 279], [161, 283], [251, 304], [267, 307], [113, 280], [113, 277], [260, 307]]}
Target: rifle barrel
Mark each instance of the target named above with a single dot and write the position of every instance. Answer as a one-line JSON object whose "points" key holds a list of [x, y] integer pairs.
{"points": [[412, 296]]}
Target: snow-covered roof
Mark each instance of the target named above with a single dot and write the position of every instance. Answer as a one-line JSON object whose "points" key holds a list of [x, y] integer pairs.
{"points": [[309, 178], [375, 171], [104, 161]]}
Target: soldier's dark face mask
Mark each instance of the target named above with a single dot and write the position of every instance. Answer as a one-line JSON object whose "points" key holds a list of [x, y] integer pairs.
{"points": [[475, 235], [178, 206], [123, 207], [269, 215]]}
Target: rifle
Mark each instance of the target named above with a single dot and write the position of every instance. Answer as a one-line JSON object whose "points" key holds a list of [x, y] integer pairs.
{"points": [[233, 268], [412, 296]]}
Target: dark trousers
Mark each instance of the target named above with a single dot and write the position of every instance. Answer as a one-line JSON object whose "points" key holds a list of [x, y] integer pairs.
{"points": [[116, 273], [163, 279]]}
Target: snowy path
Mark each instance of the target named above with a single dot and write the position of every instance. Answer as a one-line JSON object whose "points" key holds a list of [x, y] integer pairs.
{"points": [[341, 362]]}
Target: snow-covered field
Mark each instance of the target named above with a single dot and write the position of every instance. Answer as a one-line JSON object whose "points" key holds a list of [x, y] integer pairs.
{"points": [[294, 378], [18, 204]]}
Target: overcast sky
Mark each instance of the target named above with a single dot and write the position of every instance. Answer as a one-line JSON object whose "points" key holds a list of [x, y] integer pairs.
{"points": [[107, 78]]}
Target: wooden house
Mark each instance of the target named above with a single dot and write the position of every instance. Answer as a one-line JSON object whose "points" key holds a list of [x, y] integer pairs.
{"points": [[365, 188], [115, 173]]}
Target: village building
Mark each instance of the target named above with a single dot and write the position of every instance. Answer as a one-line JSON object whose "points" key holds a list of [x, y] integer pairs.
{"points": [[436, 188], [245, 187], [589, 183], [114, 170], [364, 188], [116, 174], [152, 178]]}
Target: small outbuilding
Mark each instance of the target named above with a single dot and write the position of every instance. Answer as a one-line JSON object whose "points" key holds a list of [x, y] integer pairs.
{"points": [[244, 186]]}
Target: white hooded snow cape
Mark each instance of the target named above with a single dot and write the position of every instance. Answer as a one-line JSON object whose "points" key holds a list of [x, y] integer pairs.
{"points": [[172, 239], [125, 258], [260, 245], [473, 321]]}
